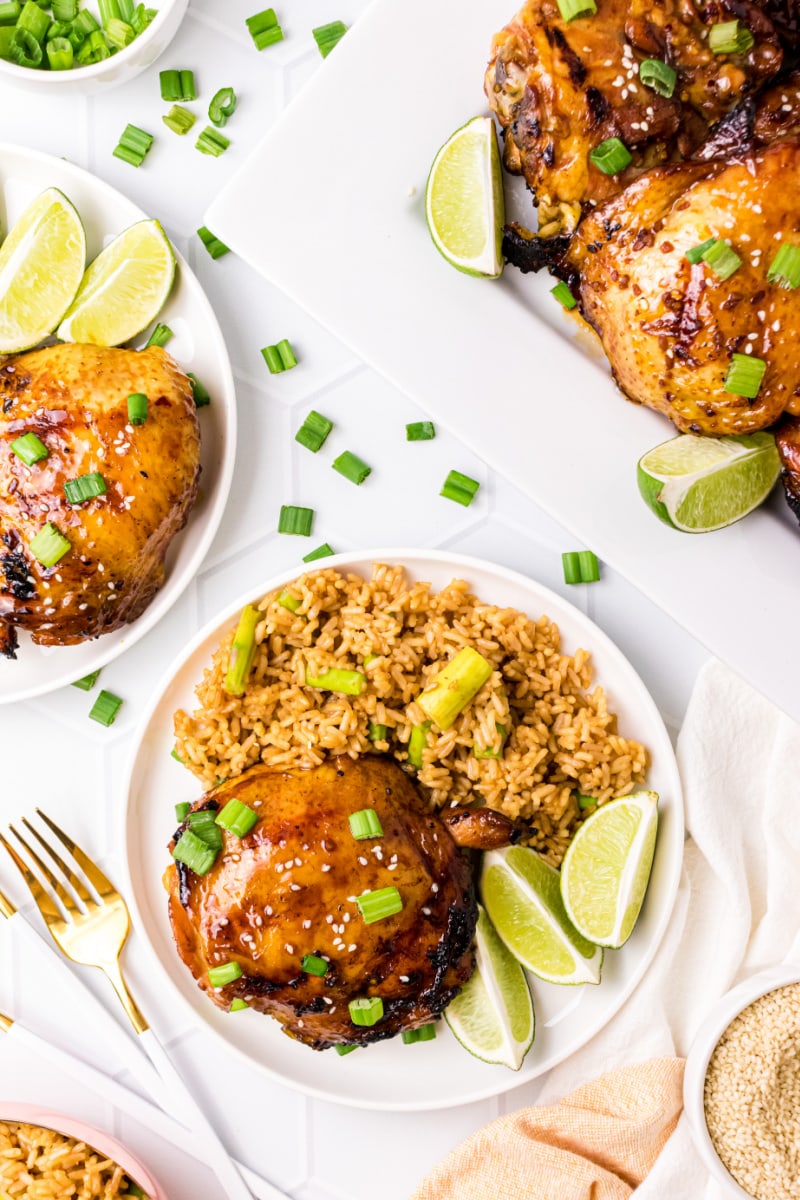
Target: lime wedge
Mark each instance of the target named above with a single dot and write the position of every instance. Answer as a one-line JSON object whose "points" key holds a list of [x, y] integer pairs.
{"points": [[523, 898], [698, 484], [464, 200], [123, 290], [492, 1015], [41, 264], [607, 867]]}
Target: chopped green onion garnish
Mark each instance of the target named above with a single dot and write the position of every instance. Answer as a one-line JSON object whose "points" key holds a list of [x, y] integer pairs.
{"points": [[134, 143], [222, 106], [460, 488], [328, 36], [25, 50], [323, 551], [352, 467], [365, 824], [237, 818], [182, 811], [570, 9], [194, 853], [88, 681], [212, 142], [657, 75], [563, 295], [366, 1011], [179, 119], [280, 357], [745, 375], [199, 392], [489, 752], [9, 12], [49, 545], [287, 600], [348, 683], [60, 54], [85, 487], [213, 245], [585, 802], [161, 335], [785, 267], [342, 1050], [455, 686], [174, 754], [203, 825], [580, 566], [33, 20], [417, 742], [427, 1033], [730, 37], [142, 17], [105, 708], [696, 253], [65, 10], [611, 156], [264, 28], [296, 520], [420, 431], [137, 408], [312, 964], [95, 49], [227, 973], [313, 432], [119, 34], [378, 905], [177, 85], [243, 652], [238, 1004], [377, 733], [29, 448], [722, 260], [85, 23], [188, 89]]}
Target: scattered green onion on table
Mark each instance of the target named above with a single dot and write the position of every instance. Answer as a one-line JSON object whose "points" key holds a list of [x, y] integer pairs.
{"points": [[323, 551], [213, 245], [328, 36], [580, 566], [264, 28], [62, 36]]}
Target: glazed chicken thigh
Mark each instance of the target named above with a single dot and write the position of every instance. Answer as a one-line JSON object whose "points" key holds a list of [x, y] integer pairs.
{"points": [[74, 399]]}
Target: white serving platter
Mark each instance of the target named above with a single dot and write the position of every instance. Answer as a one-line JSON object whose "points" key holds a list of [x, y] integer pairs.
{"points": [[390, 1075], [330, 208]]}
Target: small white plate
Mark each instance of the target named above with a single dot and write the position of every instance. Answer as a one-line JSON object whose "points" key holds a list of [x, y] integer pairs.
{"points": [[198, 346], [391, 1075]]}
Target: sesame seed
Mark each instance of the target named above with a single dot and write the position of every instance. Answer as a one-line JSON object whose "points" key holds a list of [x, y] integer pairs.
{"points": [[325, 867], [351, 948], [288, 948], [306, 924]]}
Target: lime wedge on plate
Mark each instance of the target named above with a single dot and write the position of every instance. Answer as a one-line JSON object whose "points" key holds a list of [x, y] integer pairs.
{"points": [[607, 867], [523, 898], [41, 265], [464, 200], [492, 1016], [699, 484], [123, 290]]}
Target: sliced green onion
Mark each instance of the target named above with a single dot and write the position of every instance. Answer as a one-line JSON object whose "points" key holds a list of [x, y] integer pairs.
{"points": [[174, 754], [380, 904], [722, 260], [352, 467], [294, 519], [366, 1012], [59, 29], [25, 50], [570, 9], [109, 10], [264, 28], [328, 36], [426, 1033], [323, 551], [585, 802], [238, 1004], [417, 742], [455, 686], [563, 295], [695, 254], [29, 448], [142, 17], [659, 76], [280, 357], [227, 973], [420, 431], [730, 37], [212, 142], [460, 488], [785, 267], [580, 566], [365, 824], [60, 54], [33, 20], [177, 85], [95, 49], [348, 683], [222, 106], [134, 143], [213, 245], [342, 1050], [105, 708], [49, 545], [745, 375], [611, 156], [287, 600], [85, 487], [194, 853], [88, 681], [377, 733], [313, 432], [312, 964], [203, 825], [65, 10], [237, 818], [179, 119], [489, 752], [182, 811], [137, 408], [161, 335], [243, 652], [199, 392], [9, 12], [119, 33]]}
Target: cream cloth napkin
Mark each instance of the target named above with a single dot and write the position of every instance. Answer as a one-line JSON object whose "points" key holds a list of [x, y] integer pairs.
{"points": [[738, 911]]}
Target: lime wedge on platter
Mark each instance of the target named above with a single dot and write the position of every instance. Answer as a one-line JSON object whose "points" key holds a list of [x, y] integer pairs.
{"points": [[464, 200], [699, 484], [41, 265]]}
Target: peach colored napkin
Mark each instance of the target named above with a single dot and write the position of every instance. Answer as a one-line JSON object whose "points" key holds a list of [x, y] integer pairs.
{"points": [[598, 1143]]}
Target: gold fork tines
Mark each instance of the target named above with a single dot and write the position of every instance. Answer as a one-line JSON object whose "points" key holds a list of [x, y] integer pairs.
{"points": [[7, 909]]}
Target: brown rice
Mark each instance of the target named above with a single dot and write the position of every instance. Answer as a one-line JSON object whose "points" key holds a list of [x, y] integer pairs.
{"points": [[561, 740], [40, 1164]]}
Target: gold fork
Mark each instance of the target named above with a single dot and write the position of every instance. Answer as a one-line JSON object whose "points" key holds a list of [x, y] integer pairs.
{"points": [[91, 929]]}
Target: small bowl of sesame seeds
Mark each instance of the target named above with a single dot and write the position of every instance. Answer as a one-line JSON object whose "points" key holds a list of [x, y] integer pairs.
{"points": [[742, 1087]]}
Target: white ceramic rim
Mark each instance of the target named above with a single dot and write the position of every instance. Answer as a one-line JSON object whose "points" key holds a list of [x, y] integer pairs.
{"points": [[726, 1009], [463, 564]]}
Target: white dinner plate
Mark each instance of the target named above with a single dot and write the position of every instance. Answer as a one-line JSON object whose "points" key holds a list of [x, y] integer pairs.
{"points": [[198, 346], [391, 1075], [330, 208]]}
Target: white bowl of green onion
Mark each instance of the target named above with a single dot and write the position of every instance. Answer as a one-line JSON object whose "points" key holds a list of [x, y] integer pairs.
{"points": [[83, 45]]}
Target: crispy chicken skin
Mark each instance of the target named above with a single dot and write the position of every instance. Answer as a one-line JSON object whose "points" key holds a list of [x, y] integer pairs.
{"points": [[561, 88], [288, 889], [74, 398]]}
